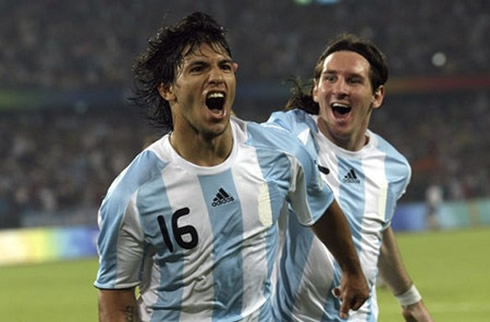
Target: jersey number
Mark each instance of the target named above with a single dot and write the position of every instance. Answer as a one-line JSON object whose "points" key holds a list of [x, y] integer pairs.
{"points": [[178, 232]]}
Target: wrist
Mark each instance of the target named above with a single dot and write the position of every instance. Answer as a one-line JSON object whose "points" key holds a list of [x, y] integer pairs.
{"points": [[409, 297]]}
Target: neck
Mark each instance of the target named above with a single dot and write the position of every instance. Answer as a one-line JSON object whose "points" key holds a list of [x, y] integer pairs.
{"points": [[201, 150], [351, 142]]}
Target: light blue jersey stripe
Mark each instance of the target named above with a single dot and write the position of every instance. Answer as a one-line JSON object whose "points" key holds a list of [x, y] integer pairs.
{"points": [[153, 198], [228, 236], [295, 252], [283, 140], [397, 171]]}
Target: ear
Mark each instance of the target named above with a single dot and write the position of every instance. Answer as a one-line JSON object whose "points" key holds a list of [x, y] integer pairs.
{"points": [[166, 92], [235, 67], [314, 92], [378, 97]]}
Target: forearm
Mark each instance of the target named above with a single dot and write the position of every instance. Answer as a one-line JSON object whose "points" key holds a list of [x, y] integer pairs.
{"points": [[391, 267], [333, 230], [118, 306], [395, 275]]}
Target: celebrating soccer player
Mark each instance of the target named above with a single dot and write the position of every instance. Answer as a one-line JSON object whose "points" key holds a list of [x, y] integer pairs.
{"points": [[367, 175], [192, 222]]}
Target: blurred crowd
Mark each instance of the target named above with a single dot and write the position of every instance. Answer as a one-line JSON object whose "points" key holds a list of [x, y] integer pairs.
{"points": [[65, 44], [445, 138], [60, 160]]}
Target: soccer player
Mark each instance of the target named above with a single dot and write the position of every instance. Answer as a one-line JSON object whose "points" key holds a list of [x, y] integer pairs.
{"points": [[193, 221], [367, 174]]}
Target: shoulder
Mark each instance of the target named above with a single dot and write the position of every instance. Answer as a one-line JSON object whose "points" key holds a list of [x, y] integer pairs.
{"points": [[385, 146], [147, 165], [394, 159], [269, 138], [300, 124], [294, 120]]}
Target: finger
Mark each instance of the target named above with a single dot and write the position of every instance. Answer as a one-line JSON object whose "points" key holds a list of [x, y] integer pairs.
{"points": [[344, 310], [356, 304]]}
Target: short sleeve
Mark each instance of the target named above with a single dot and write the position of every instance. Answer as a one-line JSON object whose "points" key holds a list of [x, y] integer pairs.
{"points": [[120, 244]]}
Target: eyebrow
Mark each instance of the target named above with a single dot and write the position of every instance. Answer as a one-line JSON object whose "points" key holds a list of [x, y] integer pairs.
{"points": [[198, 60], [349, 74]]}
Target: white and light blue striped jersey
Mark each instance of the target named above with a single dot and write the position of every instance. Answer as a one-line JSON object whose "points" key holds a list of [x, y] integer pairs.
{"points": [[201, 242], [367, 185]]}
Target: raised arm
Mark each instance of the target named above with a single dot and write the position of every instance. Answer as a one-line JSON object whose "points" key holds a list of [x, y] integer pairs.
{"points": [[118, 306], [333, 230], [393, 272]]}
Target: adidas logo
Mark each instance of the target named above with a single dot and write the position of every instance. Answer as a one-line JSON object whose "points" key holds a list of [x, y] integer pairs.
{"points": [[221, 198], [351, 177]]}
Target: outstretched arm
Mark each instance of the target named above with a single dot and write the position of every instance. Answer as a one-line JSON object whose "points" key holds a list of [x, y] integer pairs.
{"points": [[118, 306], [393, 272], [333, 230]]}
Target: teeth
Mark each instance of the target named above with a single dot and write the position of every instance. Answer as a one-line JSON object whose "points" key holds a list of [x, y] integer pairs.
{"points": [[216, 95], [215, 100], [341, 108], [340, 105]]}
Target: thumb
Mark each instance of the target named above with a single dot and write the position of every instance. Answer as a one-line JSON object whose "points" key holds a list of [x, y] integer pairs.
{"points": [[344, 310]]}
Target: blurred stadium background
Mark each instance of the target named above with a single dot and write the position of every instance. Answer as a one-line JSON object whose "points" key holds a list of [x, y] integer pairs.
{"points": [[67, 129]]}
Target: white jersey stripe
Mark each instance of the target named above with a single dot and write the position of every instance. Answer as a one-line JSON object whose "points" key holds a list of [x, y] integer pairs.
{"points": [[260, 209], [351, 194]]}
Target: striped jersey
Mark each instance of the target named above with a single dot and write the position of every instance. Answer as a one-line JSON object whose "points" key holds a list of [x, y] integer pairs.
{"points": [[201, 242], [367, 185]]}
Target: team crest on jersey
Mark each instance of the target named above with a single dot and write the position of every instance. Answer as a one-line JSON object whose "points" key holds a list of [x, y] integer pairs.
{"points": [[351, 177], [221, 198]]}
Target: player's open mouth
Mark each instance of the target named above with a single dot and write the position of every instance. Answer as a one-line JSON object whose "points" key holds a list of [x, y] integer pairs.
{"points": [[340, 109], [215, 101]]}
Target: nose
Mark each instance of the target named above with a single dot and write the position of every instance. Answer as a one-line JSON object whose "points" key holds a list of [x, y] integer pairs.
{"points": [[216, 75], [340, 87]]}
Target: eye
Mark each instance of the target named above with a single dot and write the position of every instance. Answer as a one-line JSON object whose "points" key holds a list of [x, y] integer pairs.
{"points": [[227, 67], [196, 68], [329, 78], [356, 80]]}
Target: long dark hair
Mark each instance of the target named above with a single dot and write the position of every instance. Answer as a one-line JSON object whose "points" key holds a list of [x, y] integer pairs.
{"points": [[162, 58], [301, 95]]}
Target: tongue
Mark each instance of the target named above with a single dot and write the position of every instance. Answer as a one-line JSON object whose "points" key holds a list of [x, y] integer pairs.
{"points": [[216, 111]]}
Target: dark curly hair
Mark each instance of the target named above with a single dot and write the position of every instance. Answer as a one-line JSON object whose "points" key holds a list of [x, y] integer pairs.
{"points": [[163, 57], [301, 95]]}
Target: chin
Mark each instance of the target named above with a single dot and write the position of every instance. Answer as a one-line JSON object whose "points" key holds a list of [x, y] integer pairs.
{"points": [[218, 129], [341, 134]]}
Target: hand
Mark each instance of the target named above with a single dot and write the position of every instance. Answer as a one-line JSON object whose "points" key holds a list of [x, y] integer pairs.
{"points": [[416, 313], [353, 293]]}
